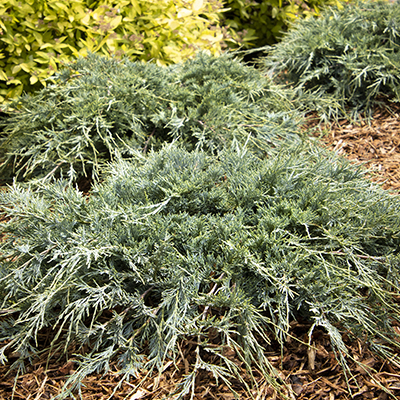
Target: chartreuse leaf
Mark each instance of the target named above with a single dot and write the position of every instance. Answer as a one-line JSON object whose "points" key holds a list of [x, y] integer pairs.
{"points": [[66, 29]]}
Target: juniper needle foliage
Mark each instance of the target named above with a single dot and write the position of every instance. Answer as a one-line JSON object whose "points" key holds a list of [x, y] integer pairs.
{"points": [[100, 107], [220, 249], [343, 62]]}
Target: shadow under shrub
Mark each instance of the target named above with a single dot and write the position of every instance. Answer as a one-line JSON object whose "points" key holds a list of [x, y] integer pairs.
{"points": [[189, 245], [344, 62], [100, 108]]}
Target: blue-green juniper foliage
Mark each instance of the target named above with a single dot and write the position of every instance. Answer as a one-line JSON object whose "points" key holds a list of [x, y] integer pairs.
{"points": [[100, 107], [344, 62], [180, 244]]}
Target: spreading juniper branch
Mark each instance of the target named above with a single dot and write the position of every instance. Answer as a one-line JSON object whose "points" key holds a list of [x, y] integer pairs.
{"points": [[344, 62], [116, 108], [129, 271]]}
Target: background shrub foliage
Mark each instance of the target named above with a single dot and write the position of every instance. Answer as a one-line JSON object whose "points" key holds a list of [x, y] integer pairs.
{"points": [[101, 107], [343, 62], [256, 23], [220, 249], [37, 36]]}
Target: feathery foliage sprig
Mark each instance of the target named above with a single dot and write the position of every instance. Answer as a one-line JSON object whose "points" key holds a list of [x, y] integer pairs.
{"points": [[345, 61], [182, 245], [102, 107]]}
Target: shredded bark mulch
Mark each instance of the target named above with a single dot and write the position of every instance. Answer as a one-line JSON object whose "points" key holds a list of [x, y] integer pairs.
{"points": [[310, 372], [375, 144]]}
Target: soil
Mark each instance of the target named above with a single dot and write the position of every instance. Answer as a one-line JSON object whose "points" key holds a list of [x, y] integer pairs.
{"points": [[310, 372]]}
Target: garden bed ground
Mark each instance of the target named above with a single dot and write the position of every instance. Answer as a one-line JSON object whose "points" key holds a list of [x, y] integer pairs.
{"points": [[375, 144], [312, 374]]}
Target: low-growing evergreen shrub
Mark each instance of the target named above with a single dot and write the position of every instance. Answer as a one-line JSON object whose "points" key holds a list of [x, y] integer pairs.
{"points": [[256, 23], [37, 36], [343, 62], [102, 107], [184, 245]]}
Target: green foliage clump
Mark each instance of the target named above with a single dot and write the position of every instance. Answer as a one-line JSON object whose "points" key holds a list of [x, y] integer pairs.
{"points": [[345, 61], [37, 36], [256, 23], [184, 245], [102, 107]]}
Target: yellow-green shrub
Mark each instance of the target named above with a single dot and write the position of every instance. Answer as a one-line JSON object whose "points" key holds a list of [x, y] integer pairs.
{"points": [[36, 36], [256, 23]]}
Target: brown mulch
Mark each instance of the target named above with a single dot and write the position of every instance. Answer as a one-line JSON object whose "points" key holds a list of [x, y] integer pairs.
{"points": [[376, 144], [311, 372]]}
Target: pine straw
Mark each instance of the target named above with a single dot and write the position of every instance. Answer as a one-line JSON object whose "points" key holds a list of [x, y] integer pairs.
{"points": [[312, 373]]}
